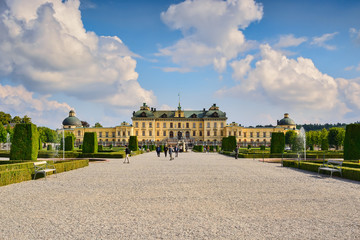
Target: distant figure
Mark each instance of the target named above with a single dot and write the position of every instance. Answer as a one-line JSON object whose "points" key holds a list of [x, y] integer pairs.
{"points": [[207, 149], [127, 152], [186, 148], [236, 152], [158, 150], [176, 150], [165, 150], [170, 152]]}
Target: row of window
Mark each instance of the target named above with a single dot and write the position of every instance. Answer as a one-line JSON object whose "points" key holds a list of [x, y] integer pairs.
{"points": [[252, 134], [119, 133], [179, 125]]}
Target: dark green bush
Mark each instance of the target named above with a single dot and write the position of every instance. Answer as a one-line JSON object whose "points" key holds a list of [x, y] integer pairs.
{"points": [[100, 148], [80, 146], [249, 146], [69, 143], [352, 142], [90, 143], [49, 147], [133, 143], [228, 143], [25, 142], [262, 147], [324, 144], [277, 142]]}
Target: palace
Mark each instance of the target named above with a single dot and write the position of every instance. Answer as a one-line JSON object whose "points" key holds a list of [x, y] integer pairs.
{"points": [[192, 127]]}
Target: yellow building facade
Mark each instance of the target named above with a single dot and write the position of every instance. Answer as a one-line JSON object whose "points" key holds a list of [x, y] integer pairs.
{"points": [[191, 127]]}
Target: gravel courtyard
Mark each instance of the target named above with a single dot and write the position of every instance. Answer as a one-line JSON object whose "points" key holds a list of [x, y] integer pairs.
{"points": [[196, 196]]}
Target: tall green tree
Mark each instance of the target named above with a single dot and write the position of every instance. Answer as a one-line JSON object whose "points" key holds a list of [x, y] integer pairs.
{"points": [[16, 119], [26, 119], [98, 125], [5, 118], [336, 137], [290, 137], [324, 142], [3, 133]]}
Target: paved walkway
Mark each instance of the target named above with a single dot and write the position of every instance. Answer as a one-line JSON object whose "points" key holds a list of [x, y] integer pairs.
{"points": [[196, 196]]}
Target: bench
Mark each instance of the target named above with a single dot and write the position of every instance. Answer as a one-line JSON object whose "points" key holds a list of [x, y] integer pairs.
{"points": [[43, 167], [331, 166]]}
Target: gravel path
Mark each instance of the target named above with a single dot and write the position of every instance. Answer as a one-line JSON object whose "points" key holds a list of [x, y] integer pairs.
{"points": [[196, 196]]}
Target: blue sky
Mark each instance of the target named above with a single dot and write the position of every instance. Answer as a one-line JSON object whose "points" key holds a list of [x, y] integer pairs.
{"points": [[255, 59]]}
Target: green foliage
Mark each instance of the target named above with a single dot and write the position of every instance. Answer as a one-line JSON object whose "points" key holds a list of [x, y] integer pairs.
{"points": [[80, 146], [336, 137], [90, 143], [98, 125], [198, 148], [228, 143], [16, 119], [47, 135], [49, 147], [290, 137], [14, 176], [324, 144], [262, 147], [10, 131], [277, 142], [5, 118], [100, 148], [352, 142], [69, 143], [25, 142], [162, 148], [248, 146], [3, 133], [26, 119], [133, 143]]}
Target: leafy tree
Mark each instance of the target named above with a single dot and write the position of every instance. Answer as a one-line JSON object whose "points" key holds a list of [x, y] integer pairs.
{"points": [[47, 135], [324, 142], [85, 124], [5, 118], [16, 119], [336, 137], [290, 137], [98, 125], [26, 119], [3, 133]]}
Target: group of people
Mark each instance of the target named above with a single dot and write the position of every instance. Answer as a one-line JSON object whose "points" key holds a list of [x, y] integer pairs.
{"points": [[169, 149]]}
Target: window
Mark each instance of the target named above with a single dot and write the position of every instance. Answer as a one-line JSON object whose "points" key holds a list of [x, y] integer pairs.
{"points": [[215, 133], [150, 124], [124, 134], [164, 125], [150, 133], [79, 133], [158, 133], [171, 125], [179, 125], [143, 133], [194, 133], [264, 134], [208, 125], [118, 133], [128, 133], [200, 125], [200, 133], [244, 134], [100, 134], [208, 133], [106, 134], [194, 125], [222, 133], [143, 124], [257, 134], [157, 125], [113, 134], [137, 124], [222, 125], [251, 134], [229, 133], [215, 125], [187, 125], [137, 133], [240, 133], [234, 133], [164, 133]]}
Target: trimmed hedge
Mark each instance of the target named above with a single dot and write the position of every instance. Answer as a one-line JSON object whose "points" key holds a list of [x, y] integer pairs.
{"points": [[228, 143], [277, 142], [133, 143], [352, 142], [90, 143], [69, 143], [25, 142], [198, 148], [100, 148], [14, 176]]}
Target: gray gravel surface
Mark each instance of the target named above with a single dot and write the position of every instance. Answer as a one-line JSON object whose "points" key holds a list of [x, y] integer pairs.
{"points": [[196, 196]]}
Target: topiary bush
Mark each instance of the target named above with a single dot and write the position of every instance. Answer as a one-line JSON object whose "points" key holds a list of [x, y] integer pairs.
{"points": [[277, 142], [90, 143], [25, 142], [69, 143], [352, 142], [133, 143], [100, 148]]}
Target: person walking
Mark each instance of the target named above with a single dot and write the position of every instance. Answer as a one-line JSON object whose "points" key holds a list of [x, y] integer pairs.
{"points": [[236, 152], [165, 150], [127, 152], [158, 150], [170, 152], [176, 150]]}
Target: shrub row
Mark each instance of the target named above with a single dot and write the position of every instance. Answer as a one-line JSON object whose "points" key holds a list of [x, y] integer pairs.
{"points": [[277, 142], [198, 148], [347, 172], [228, 143]]}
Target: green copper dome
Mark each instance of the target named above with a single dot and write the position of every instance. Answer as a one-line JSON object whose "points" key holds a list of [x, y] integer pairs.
{"points": [[286, 120], [72, 120]]}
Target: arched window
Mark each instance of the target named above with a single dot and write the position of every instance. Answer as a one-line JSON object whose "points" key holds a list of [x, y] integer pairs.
{"points": [[171, 134]]}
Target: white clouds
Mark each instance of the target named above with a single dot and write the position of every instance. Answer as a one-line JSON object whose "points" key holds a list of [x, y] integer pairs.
{"points": [[321, 41], [355, 34], [350, 90], [19, 101], [241, 68], [289, 41], [44, 46], [284, 81], [210, 30]]}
